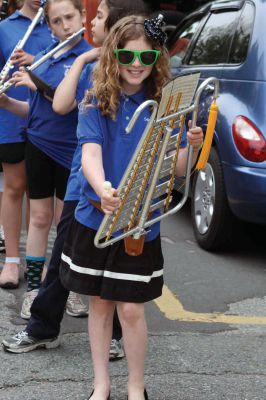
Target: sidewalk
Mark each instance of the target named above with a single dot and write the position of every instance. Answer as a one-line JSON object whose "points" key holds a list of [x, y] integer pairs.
{"points": [[180, 366], [229, 364]]}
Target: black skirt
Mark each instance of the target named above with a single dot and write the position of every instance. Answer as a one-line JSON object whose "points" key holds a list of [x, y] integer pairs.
{"points": [[110, 273]]}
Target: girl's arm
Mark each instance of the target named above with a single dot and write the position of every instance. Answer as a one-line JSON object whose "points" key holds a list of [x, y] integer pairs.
{"points": [[65, 95], [195, 139], [20, 108], [92, 167]]}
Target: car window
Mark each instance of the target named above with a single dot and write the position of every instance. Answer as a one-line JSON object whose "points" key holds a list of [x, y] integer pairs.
{"points": [[214, 41], [242, 36], [178, 50]]}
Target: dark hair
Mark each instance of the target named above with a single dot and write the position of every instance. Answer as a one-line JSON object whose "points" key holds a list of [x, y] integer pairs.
{"points": [[78, 4], [122, 8]]}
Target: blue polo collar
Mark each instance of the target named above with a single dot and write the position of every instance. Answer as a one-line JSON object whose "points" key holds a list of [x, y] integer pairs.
{"points": [[137, 98], [79, 48], [17, 14]]}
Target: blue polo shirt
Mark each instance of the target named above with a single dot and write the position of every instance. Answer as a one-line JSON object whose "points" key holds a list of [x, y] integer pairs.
{"points": [[117, 150], [54, 134], [73, 186], [12, 29]]}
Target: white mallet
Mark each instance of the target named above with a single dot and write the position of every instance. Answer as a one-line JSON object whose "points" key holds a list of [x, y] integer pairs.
{"points": [[108, 187]]}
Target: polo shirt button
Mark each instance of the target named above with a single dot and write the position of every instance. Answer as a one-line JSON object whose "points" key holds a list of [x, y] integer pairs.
{"points": [[127, 118], [127, 99]]}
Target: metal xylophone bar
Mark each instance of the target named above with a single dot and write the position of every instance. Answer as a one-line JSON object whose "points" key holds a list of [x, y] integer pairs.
{"points": [[131, 198]]}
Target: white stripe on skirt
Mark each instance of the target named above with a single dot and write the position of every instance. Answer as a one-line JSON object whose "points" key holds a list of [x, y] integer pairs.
{"points": [[110, 274]]}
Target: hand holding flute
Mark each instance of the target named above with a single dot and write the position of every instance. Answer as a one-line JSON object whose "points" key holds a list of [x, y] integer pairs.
{"points": [[37, 63], [22, 78], [20, 58]]}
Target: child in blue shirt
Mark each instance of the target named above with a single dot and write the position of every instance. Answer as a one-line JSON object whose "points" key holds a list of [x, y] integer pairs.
{"points": [[48, 307], [13, 129], [51, 138], [109, 276]]}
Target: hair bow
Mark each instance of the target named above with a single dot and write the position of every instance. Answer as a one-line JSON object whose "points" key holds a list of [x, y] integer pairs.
{"points": [[153, 29]]}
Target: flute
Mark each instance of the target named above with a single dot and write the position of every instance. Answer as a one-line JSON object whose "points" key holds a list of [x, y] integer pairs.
{"points": [[7, 85], [21, 43]]}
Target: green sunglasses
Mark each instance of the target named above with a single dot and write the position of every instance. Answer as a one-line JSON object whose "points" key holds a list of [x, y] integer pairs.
{"points": [[127, 57]]}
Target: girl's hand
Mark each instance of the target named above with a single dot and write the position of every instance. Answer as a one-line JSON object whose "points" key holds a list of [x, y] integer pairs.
{"points": [[109, 201], [90, 56], [20, 57], [195, 136], [22, 78]]}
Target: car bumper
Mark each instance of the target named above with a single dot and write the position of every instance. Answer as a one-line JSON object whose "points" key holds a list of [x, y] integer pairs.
{"points": [[246, 192]]}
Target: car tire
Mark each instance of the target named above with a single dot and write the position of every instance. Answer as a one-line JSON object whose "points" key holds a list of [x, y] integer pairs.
{"points": [[212, 218]]}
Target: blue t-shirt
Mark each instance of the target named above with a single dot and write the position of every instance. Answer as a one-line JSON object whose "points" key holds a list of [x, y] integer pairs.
{"points": [[12, 29], [73, 186], [52, 133], [117, 150]]}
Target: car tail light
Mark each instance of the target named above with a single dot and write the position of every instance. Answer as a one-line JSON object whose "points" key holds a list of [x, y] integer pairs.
{"points": [[249, 140]]}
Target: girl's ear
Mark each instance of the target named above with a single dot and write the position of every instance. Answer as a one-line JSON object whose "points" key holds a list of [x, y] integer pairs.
{"points": [[83, 16]]}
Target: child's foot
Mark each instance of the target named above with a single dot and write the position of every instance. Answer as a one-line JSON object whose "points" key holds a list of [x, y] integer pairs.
{"points": [[9, 278], [100, 394], [137, 394]]}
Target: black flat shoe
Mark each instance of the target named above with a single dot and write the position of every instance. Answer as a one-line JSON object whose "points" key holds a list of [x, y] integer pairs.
{"points": [[145, 395], [108, 398]]}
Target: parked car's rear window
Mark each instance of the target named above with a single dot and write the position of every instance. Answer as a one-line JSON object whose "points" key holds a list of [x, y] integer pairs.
{"points": [[214, 41], [242, 36]]}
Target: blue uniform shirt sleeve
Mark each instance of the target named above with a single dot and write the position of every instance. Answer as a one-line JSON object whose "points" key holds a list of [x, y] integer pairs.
{"points": [[84, 82], [89, 128]]}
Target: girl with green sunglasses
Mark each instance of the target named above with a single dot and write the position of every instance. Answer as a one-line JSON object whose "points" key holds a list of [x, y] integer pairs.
{"points": [[133, 66]]}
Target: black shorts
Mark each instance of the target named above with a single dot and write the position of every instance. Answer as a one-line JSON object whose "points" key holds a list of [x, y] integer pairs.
{"points": [[45, 176], [12, 153], [110, 273]]}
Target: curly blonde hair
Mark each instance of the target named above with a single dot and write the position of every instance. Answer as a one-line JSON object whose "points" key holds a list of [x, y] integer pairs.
{"points": [[106, 87]]}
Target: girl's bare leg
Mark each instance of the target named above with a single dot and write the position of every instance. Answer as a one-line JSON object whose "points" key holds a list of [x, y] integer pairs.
{"points": [[14, 189], [134, 327], [100, 325], [41, 216]]}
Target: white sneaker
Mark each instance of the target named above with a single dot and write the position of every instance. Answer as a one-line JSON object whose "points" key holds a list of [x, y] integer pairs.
{"points": [[75, 306], [28, 298], [116, 350], [2, 240]]}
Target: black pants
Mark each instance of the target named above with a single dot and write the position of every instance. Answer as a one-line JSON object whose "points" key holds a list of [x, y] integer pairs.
{"points": [[48, 307]]}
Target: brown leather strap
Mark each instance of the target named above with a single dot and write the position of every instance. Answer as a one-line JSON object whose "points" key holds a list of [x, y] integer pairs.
{"points": [[96, 204]]}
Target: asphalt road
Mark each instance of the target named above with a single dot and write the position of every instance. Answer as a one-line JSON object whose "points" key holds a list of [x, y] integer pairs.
{"points": [[207, 331]]}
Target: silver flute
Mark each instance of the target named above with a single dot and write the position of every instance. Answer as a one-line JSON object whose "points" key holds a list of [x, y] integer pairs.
{"points": [[7, 85], [21, 43]]}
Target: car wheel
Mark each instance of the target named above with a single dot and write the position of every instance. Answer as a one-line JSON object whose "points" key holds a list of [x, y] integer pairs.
{"points": [[211, 217]]}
